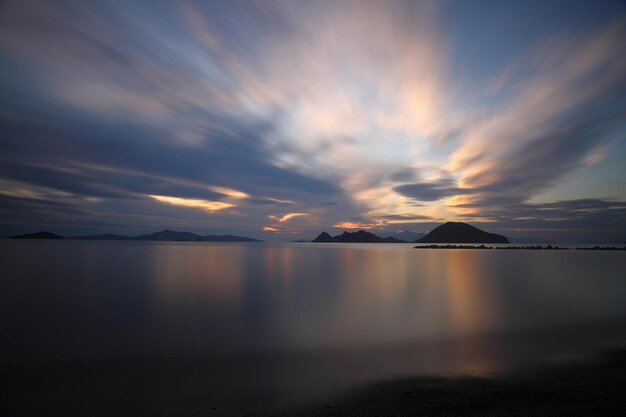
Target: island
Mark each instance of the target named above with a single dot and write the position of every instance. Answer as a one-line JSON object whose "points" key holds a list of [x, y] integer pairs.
{"points": [[355, 237], [162, 236], [459, 232], [38, 235]]}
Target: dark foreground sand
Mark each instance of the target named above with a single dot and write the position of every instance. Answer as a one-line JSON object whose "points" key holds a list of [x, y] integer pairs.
{"points": [[590, 387]]}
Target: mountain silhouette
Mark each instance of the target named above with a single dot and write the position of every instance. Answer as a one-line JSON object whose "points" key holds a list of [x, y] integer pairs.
{"points": [[459, 232], [323, 237], [39, 235], [171, 235], [228, 238], [105, 236], [162, 236], [355, 237], [406, 235]]}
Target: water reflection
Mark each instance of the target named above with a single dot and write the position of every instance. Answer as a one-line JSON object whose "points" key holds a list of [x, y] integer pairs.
{"points": [[185, 272], [288, 297], [264, 324]]}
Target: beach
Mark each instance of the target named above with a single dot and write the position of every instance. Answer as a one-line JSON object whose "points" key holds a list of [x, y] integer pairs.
{"points": [[589, 386]]}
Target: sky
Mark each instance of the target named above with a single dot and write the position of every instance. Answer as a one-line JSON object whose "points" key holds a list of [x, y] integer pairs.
{"points": [[280, 119]]}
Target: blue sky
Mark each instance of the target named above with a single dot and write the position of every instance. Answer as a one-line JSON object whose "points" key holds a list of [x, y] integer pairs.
{"points": [[279, 119]]}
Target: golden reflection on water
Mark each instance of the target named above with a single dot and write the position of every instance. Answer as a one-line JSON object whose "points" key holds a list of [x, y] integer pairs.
{"points": [[370, 294], [349, 297], [471, 299], [473, 309], [198, 270], [292, 320], [278, 263]]}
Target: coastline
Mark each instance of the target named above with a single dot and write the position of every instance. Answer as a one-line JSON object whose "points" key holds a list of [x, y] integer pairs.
{"points": [[592, 386], [535, 247]]}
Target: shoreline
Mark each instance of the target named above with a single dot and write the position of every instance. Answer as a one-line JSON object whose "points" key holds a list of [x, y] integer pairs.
{"points": [[592, 386], [537, 247]]}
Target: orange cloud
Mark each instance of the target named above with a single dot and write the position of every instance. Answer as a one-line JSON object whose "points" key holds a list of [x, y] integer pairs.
{"points": [[287, 217], [278, 200], [355, 225], [406, 221], [210, 206], [281, 229], [231, 192]]}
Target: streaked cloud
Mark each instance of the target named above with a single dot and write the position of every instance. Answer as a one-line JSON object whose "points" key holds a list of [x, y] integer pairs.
{"points": [[210, 206], [429, 191], [352, 114], [287, 217], [230, 192], [356, 225]]}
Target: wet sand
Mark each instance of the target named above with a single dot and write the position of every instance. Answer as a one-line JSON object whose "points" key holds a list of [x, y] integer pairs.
{"points": [[582, 387]]}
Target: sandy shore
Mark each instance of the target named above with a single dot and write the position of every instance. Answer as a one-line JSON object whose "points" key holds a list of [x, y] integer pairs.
{"points": [[589, 387]]}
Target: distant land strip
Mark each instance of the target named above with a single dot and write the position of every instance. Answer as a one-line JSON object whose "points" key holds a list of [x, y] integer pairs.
{"points": [[549, 247], [162, 236]]}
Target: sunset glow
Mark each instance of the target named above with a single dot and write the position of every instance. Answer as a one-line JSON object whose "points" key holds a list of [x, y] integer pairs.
{"points": [[210, 206], [332, 114], [287, 217]]}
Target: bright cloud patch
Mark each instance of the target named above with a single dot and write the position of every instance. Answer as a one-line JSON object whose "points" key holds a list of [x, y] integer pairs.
{"points": [[332, 113], [207, 205]]}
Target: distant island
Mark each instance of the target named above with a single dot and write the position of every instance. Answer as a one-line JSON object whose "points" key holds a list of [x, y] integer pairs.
{"points": [[405, 235], [355, 237], [459, 232], [39, 235], [450, 232], [162, 236]]}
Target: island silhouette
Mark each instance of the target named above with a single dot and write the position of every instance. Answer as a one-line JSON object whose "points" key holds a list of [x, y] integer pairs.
{"points": [[38, 235], [355, 237], [450, 232], [162, 236], [450, 235], [459, 232]]}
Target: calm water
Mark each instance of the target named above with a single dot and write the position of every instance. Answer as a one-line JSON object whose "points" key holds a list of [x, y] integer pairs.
{"points": [[113, 328]]}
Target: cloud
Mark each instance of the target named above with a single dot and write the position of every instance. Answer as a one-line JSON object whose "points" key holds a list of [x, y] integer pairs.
{"points": [[566, 104], [430, 191], [351, 111], [382, 222], [16, 210], [593, 220], [287, 217], [210, 206], [230, 192], [356, 225], [403, 175], [405, 218]]}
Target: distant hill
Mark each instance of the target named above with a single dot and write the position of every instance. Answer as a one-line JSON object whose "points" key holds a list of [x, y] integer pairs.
{"points": [[170, 236], [106, 236], [406, 235], [530, 239], [458, 232], [39, 235], [228, 238], [174, 236], [162, 236], [355, 237]]}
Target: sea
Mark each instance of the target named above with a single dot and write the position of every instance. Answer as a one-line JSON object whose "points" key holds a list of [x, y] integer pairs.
{"points": [[102, 328]]}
